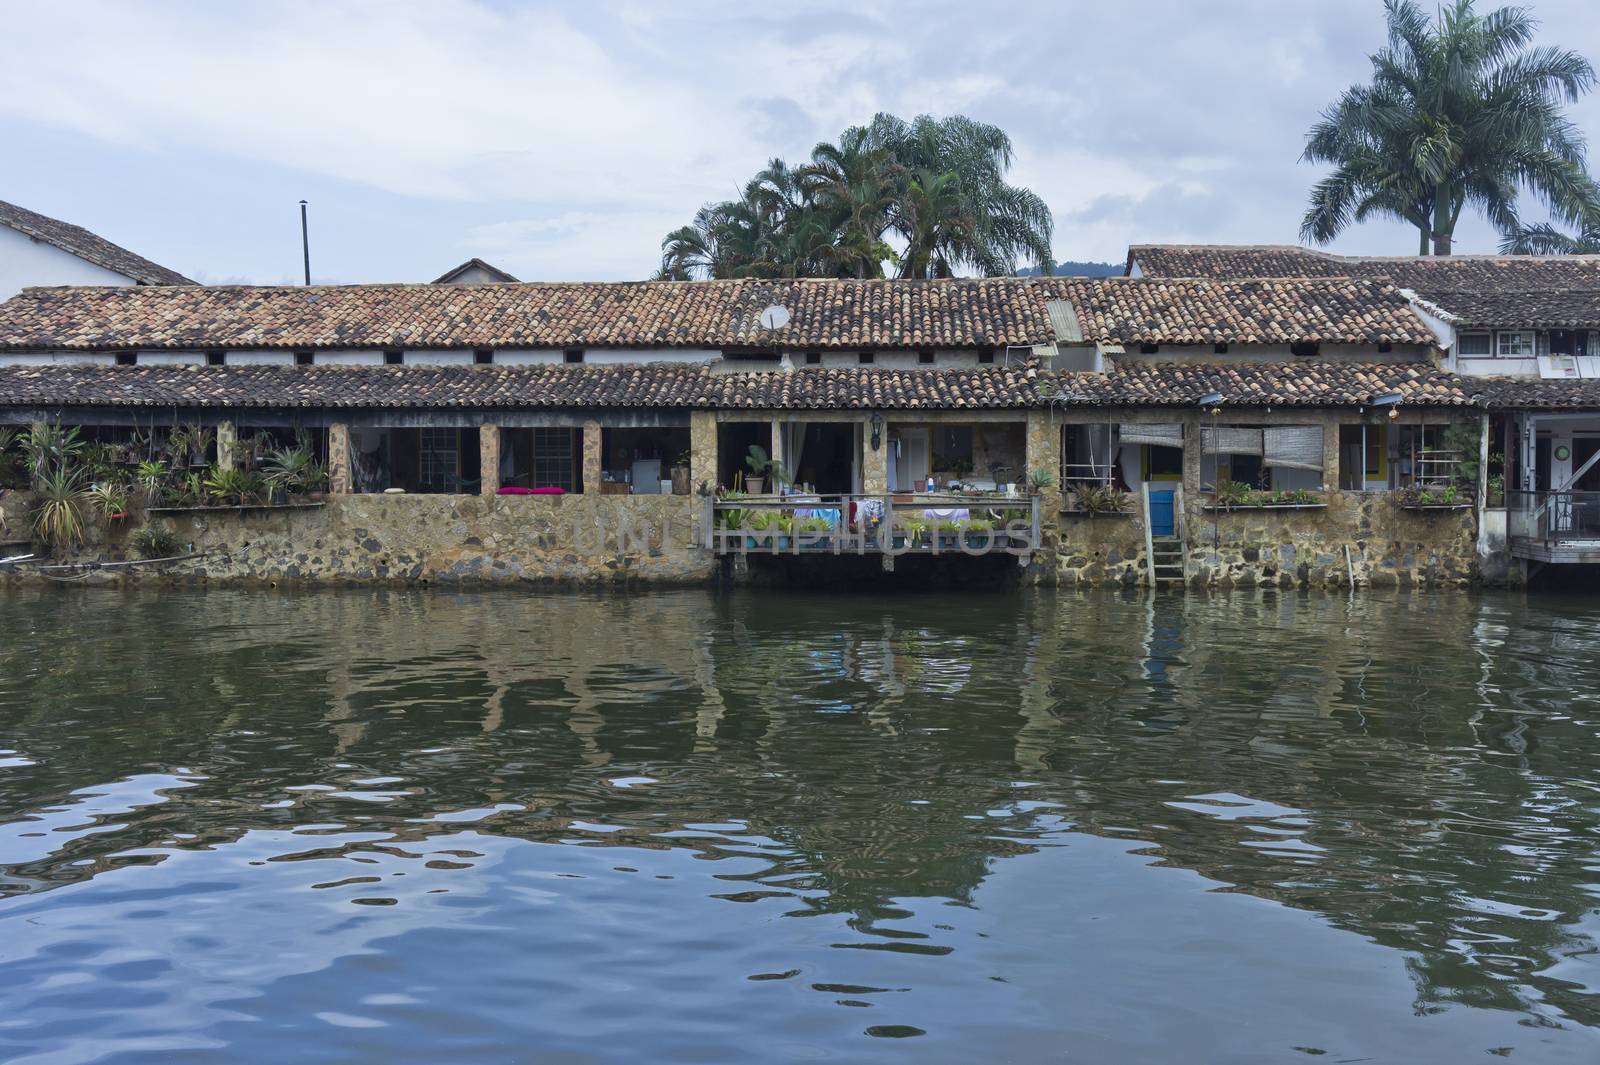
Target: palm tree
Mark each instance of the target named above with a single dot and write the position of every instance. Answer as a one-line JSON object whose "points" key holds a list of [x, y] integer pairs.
{"points": [[936, 185], [1545, 239], [1461, 110]]}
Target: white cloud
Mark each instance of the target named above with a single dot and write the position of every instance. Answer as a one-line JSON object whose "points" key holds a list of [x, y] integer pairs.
{"points": [[567, 138]]}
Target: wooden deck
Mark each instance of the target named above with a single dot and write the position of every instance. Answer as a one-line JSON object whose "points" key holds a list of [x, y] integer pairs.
{"points": [[1558, 551]]}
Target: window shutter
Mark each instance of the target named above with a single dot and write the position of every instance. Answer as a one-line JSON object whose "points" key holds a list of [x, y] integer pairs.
{"points": [[1227, 440], [1158, 435], [1297, 447]]}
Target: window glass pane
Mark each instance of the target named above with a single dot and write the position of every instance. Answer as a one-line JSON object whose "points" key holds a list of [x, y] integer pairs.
{"points": [[552, 459], [1473, 344], [439, 459], [1516, 345]]}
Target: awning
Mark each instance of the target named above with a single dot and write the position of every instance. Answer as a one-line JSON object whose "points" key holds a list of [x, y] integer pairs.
{"points": [[1297, 447], [1157, 435], [1226, 440]]}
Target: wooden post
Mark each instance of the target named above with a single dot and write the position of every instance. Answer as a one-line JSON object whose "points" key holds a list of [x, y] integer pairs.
{"points": [[340, 481], [489, 458]]}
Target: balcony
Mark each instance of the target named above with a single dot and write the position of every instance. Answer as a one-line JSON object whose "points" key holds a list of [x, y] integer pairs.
{"points": [[1556, 527], [921, 523]]}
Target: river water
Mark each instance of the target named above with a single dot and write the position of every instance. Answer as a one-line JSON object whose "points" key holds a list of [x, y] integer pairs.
{"points": [[424, 827]]}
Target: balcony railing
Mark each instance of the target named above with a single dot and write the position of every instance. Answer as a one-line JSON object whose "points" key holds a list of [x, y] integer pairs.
{"points": [[1553, 516], [921, 523]]}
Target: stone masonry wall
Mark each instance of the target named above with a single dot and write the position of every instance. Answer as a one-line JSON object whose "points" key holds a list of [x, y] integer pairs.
{"points": [[430, 538], [1389, 546]]}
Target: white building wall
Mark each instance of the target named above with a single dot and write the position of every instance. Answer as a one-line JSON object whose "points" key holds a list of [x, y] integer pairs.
{"points": [[1248, 353], [58, 358], [25, 262], [258, 358], [436, 358], [171, 358], [348, 358]]}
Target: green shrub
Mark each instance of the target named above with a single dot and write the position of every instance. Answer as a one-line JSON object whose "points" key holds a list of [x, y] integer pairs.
{"points": [[153, 541]]}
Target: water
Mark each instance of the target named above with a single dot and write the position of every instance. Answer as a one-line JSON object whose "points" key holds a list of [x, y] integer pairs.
{"points": [[413, 827]]}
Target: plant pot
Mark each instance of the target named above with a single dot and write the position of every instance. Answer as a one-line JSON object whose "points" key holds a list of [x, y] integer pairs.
{"points": [[680, 480], [755, 486]]}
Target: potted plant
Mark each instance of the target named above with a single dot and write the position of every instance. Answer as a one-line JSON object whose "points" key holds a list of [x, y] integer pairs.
{"points": [[762, 467], [1040, 478], [979, 533], [757, 525], [111, 499], [1099, 499], [815, 531]]}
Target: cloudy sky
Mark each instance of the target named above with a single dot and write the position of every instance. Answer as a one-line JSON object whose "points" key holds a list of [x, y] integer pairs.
{"points": [[562, 140]]}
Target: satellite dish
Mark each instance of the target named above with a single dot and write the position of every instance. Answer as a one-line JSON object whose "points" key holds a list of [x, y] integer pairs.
{"points": [[774, 317]]}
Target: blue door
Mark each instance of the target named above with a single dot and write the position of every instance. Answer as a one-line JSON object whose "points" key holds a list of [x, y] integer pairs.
{"points": [[1161, 513]]}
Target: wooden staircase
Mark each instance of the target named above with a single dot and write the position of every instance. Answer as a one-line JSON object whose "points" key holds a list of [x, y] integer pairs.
{"points": [[1166, 560]]}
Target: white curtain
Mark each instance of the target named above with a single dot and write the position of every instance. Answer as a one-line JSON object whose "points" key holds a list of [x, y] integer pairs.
{"points": [[794, 444]]}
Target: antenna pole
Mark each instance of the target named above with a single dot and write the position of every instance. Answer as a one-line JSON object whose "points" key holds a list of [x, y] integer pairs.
{"points": [[305, 241]]}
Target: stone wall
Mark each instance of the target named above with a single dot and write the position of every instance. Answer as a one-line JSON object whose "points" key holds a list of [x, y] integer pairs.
{"points": [[430, 538], [1388, 546]]}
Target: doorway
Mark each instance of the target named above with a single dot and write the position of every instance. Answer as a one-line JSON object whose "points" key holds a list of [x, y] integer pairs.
{"points": [[910, 458]]}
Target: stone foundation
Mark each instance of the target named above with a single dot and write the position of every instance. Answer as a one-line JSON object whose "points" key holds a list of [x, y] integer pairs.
{"points": [[366, 539], [1287, 548], [656, 539]]}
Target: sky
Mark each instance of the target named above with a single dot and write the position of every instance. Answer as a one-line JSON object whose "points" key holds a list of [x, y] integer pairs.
{"points": [[562, 141]]}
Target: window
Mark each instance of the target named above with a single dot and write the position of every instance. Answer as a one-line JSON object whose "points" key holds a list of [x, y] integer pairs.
{"points": [[213, 358], [925, 357], [1515, 345], [302, 358], [1149, 349], [127, 358], [1219, 349], [440, 454], [952, 450], [1385, 347], [482, 356], [1374, 465], [985, 356], [573, 355], [1161, 463], [1473, 344], [392, 358], [552, 459], [813, 358], [867, 358], [1305, 349]]}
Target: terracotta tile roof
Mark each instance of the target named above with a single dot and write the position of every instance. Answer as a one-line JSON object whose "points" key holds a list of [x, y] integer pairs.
{"points": [[659, 384], [1540, 291], [1280, 311], [1523, 393], [88, 246], [1133, 383], [1298, 384], [716, 314], [962, 313]]}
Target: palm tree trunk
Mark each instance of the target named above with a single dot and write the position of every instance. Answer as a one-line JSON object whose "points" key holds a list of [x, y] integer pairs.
{"points": [[1422, 240], [1443, 224]]}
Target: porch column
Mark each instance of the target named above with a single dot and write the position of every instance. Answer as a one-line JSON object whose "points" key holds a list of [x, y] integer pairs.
{"points": [[489, 458], [1193, 453], [874, 461], [1330, 451], [1043, 452], [591, 458], [339, 480], [776, 454], [227, 439], [702, 451]]}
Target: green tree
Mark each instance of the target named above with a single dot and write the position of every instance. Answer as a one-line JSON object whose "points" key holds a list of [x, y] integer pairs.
{"points": [[927, 196], [1462, 109], [1546, 239]]}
